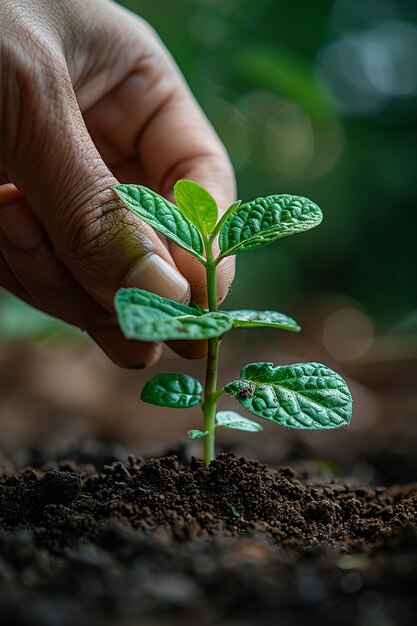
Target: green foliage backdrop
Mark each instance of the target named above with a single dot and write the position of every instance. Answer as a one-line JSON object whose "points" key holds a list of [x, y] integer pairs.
{"points": [[317, 99]]}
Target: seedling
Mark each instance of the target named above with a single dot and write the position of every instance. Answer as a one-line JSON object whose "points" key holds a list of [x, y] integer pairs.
{"points": [[301, 395]]}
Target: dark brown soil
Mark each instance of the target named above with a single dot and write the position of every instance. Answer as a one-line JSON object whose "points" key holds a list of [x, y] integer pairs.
{"points": [[159, 542]]}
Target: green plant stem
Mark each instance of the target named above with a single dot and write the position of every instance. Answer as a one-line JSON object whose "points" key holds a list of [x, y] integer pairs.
{"points": [[211, 280], [210, 400], [216, 395], [211, 393]]}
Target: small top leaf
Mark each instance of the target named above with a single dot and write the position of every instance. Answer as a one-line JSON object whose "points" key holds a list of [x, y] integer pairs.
{"points": [[147, 317], [303, 395], [247, 318], [231, 419], [162, 215], [231, 209], [177, 391], [264, 220], [197, 205]]}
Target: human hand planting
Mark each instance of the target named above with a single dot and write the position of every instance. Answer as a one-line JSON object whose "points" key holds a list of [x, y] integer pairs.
{"points": [[90, 97]]}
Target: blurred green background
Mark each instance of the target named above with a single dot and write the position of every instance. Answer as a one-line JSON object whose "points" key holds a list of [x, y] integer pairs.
{"points": [[317, 99]]}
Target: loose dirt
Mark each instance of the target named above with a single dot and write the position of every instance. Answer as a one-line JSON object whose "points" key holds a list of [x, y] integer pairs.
{"points": [[160, 541]]}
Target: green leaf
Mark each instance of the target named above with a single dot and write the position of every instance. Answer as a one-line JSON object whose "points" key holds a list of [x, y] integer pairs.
{"points": [[146, 317], [247, 318], [187, 327], [232, 208], [197, 434], [163, 216], [231, 419], [265, 220], [177, 391], [303, 395], [197, 205], [133, 297]]}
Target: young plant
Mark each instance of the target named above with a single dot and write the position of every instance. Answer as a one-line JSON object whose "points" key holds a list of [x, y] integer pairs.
{"points": [[302, 395]]}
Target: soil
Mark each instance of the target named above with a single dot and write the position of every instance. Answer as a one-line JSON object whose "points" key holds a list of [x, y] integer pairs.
{"points": [[168, 542], [89, 535]]}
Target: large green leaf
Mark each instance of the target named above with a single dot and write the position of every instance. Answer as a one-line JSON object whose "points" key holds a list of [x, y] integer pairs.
{"points": [[303, 395], [128, 299], [146, 317], [264, 220], [197, 205], [177, 391], [247, 318], [231, 419], [191, 328], [162, 215]]}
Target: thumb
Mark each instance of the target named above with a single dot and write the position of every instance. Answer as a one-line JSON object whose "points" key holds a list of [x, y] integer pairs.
{"points": [[59, 171]]}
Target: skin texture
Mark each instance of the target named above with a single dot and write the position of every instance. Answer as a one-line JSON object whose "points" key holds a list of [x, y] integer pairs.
{"points": [[89, 97]]}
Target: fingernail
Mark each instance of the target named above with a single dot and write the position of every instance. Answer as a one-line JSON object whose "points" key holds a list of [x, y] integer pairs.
{"points": [[8, 194], [21, 227], [156, 275]]}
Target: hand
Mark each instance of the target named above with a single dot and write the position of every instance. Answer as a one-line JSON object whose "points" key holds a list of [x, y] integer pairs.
{"points": [[89, 96]]}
